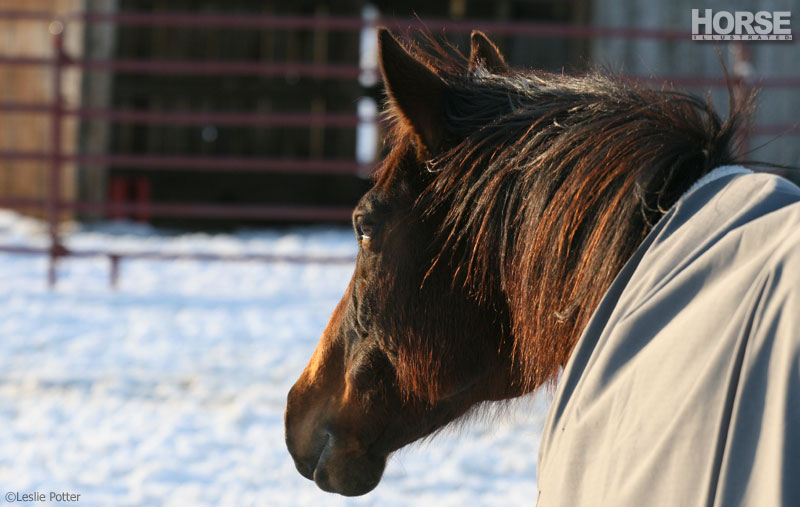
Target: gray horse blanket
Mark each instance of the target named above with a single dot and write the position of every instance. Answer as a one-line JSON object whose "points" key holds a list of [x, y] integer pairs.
{"points": [[684, 389]]}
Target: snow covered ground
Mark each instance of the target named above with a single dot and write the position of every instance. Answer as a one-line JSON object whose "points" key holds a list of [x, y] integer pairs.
{"points": [[171, 390]]}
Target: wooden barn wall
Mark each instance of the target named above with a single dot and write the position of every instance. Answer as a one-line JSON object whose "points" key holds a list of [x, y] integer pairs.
{"points": [[775, 105], [32, 84]]}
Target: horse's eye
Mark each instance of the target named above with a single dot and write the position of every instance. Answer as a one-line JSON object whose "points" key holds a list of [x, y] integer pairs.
{"points": [[364, 228]]}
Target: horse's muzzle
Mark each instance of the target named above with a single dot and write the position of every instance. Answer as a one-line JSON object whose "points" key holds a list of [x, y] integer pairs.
{"points": [[336, 463], [335, 469]]}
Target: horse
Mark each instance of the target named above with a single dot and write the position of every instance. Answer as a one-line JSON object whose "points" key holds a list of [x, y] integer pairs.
{"points": [[506, 229]]}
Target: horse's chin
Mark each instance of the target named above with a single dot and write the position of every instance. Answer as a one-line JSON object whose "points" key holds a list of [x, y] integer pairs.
{"points": [[348, 473]]}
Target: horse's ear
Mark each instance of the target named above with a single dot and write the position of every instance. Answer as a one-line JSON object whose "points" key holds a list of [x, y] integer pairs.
{"points": [[483, 51], [417, 91]]}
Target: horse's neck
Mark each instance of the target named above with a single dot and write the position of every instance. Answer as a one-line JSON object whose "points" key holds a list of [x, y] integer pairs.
{"points": [[644, 228], [553, 298]]}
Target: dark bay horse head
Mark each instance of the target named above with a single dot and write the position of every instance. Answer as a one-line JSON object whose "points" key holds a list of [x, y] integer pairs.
{"points": [[508, 203]]}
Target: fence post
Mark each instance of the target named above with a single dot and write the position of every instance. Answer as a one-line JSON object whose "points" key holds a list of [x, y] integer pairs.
{"points": [[56, 28], [113, 277]]}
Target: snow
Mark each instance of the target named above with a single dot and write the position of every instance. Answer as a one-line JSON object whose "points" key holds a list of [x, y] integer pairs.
{"points": [[171, 389]]}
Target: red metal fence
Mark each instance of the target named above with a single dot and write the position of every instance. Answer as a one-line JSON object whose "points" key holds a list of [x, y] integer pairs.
{"points": [[54, 203]]}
